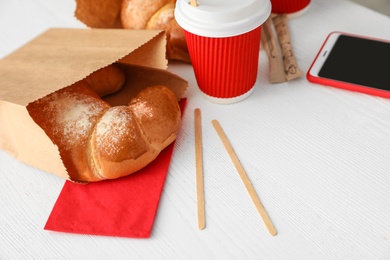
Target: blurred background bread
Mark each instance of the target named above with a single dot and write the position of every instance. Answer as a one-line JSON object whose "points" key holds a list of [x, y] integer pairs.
{"points": [[137, 14]]}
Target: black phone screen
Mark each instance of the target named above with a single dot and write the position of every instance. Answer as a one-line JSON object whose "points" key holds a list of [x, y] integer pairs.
{"points": [[359, 61]]}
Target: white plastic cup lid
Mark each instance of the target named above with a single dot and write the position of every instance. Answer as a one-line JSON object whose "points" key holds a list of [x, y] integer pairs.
{"points": [[222, 18]]}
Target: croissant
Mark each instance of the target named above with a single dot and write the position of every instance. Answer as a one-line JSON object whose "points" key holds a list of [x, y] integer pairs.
{"points": [[156, 15], [97, 141]]}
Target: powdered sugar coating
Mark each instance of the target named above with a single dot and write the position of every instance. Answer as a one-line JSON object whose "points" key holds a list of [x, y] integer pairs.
{"points": [[141, 107], [113, 128], [73, 116]]}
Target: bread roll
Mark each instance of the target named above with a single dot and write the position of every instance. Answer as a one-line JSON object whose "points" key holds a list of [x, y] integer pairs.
{"points": [[127, 138], [107, 80], [98, 142], [156, 15], [99, 13]]}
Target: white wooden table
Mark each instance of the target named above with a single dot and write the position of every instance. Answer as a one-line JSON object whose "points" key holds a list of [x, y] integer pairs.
{"points": [[317, 156]]}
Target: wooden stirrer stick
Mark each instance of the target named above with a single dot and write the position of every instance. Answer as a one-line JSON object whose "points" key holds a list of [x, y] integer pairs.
{"points": [[199, 169], [248, 185]]}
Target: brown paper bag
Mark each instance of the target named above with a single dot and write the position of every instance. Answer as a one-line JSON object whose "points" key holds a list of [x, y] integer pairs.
{"points": [[60, 57]]}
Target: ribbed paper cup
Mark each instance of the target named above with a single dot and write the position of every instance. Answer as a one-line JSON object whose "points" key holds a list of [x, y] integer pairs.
{"points": [[293, 8], [223, 38], [225, 68]]}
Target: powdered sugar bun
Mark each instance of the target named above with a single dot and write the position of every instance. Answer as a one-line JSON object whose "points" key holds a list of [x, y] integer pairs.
{"points": [[97, 141]]}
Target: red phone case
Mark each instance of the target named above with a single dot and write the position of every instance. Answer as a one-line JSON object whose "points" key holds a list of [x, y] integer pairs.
{"points": [[345, 85]]}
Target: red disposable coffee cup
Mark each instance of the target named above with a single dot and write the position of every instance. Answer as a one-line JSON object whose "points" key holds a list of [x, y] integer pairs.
{"points": [[292, 8], [223, 38]]}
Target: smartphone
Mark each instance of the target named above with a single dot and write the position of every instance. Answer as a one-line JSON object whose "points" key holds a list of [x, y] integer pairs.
{"points": [[353, 62]]}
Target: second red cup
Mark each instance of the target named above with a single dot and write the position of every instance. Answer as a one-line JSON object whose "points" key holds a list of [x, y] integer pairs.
{"points": [[290, 7]]}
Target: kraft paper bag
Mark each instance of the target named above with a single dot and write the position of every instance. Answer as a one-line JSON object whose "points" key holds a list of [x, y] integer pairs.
{"points": [[60, 57]]}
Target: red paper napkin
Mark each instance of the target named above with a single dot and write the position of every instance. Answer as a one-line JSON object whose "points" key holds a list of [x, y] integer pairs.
{"points": [[125, 207]]}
